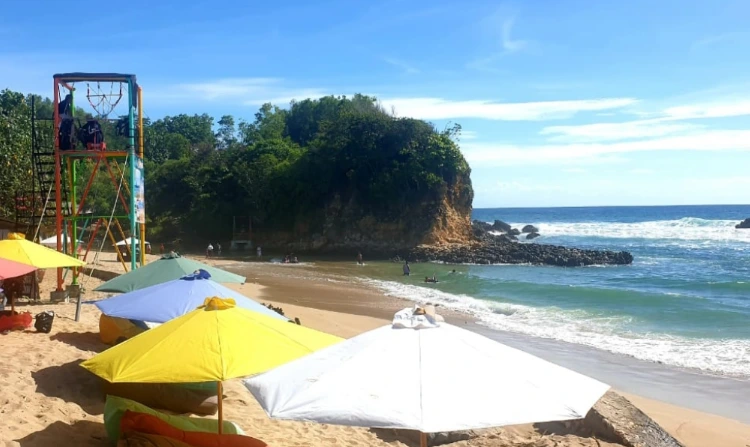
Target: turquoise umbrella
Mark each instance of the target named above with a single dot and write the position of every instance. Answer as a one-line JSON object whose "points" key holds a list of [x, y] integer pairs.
{"points": [[168, 268]]}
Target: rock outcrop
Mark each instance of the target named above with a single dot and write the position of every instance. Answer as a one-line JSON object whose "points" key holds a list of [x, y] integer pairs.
{"points": [[532, 235], [744, 224], [503, 251], [489, 248], [616, 419], [499, 225], [529, 229]]}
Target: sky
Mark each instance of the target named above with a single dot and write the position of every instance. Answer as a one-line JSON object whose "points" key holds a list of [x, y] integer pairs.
{"points": [[562, 102]]}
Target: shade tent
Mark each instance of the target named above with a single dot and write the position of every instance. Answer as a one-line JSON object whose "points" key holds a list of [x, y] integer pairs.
{"points": [[433, 379], [51, 241], [167, 268], [165, 301], [129, 242]]}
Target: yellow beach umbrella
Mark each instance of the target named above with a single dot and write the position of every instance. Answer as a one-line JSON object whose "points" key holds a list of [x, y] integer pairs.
{"points": [[215, 342], [17, 248]]}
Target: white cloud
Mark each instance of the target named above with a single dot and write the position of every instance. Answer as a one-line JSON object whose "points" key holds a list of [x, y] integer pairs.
{"points": [[507, 154], [641, 171], [709, 41], [709, 110], [615, 131], [439, 108], [509, 44], [229, 88], [671, 120], [517, 187], [468, 135], [406, 67], [247, 91]]}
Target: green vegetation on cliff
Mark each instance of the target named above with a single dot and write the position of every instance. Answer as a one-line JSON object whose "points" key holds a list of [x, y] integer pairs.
{"points": [[289, 169]]}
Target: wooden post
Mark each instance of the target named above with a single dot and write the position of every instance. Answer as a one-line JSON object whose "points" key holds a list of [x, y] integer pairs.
{"points": [[221, 410], [422, 439]]}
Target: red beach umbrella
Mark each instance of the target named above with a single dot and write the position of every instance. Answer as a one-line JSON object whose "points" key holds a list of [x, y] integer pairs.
{"points": [[12, 269]]}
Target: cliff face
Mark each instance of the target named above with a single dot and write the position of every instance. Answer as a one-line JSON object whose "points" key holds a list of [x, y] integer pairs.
{"points": [[346, 226]]}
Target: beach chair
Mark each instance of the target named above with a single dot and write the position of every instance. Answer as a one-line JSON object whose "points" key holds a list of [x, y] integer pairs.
{"points": [[115, 407], [141, 423]]}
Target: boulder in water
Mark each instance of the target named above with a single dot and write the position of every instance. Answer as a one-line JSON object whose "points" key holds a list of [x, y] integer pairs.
{"points": [[530, 229], [514, 232], [483, 226], [499, 225], [532, 235], [744, 224]]}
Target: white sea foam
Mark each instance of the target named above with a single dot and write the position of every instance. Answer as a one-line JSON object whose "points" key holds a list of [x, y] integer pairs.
{"points": [[727, 357], [686, 229]]}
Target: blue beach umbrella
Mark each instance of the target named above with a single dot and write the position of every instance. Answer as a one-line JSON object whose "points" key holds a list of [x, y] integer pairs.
{"points": [[172, 299]]}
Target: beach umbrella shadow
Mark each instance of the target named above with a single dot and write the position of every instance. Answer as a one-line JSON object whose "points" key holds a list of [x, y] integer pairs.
{"points": [[80, 433], [71, 383], [84, 341]]}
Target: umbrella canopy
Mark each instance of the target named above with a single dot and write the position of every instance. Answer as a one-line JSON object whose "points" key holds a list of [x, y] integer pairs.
{"points": [[12, 269], [168, 268], [216, 342], [431, 379], [18, 249], [165, 301]]}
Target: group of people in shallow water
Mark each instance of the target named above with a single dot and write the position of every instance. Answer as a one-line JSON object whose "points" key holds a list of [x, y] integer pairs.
{"points": [[407, 272], [290, 258]]}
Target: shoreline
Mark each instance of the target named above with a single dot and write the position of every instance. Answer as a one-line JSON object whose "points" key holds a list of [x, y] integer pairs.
{"points": [[684, 402]]}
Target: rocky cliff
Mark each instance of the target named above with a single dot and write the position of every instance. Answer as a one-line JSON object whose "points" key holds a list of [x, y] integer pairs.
{"points": [[347, 226]]}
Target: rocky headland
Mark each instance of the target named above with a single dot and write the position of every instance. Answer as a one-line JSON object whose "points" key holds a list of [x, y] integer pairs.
{"points": [[744, 224], [498, 244]]}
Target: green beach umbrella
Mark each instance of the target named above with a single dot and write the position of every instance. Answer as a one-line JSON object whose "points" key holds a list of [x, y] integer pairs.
{"points": [[167, 268]]}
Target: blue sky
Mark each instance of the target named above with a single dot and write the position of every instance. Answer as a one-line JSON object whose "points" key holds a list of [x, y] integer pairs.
{"points": [[563, 103]]}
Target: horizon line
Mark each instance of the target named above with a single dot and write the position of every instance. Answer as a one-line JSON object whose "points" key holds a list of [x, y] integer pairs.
{"points": [[606, 206]]}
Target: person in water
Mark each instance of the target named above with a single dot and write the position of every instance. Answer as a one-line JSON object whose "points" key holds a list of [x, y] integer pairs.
{"points": [[428, 279], [359, 259], [407, 269]]}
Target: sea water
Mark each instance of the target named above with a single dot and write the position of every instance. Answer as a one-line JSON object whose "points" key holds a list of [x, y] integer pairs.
{"points": [[685, 300]]}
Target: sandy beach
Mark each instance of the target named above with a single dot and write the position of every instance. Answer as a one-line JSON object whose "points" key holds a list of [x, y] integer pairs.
{"points": [[47, 399]]}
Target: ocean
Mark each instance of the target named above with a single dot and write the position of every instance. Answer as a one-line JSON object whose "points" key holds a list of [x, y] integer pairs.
{"points": [[684, 302]]}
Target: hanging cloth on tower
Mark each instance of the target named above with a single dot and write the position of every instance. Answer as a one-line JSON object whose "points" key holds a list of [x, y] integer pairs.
{"points": [[91, 135]]}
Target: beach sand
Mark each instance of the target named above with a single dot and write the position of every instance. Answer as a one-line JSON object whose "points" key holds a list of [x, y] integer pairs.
{"points": [[47, 399]]}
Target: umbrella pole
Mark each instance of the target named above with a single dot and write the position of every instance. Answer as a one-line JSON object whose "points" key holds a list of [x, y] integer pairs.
{"points": [[221, 410], [422, 439]]}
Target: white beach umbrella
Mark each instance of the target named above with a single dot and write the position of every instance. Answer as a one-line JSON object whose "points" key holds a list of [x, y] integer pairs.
{"points": [[431, 379]]}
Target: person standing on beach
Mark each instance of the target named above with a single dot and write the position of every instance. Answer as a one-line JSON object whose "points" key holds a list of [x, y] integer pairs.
{"points": [[359, 259], [259, 251], [209, 250], [218, 249], [407, 269]]}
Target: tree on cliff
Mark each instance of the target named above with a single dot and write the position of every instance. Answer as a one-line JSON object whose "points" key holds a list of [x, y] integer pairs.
{"points": [[288, 168]]}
